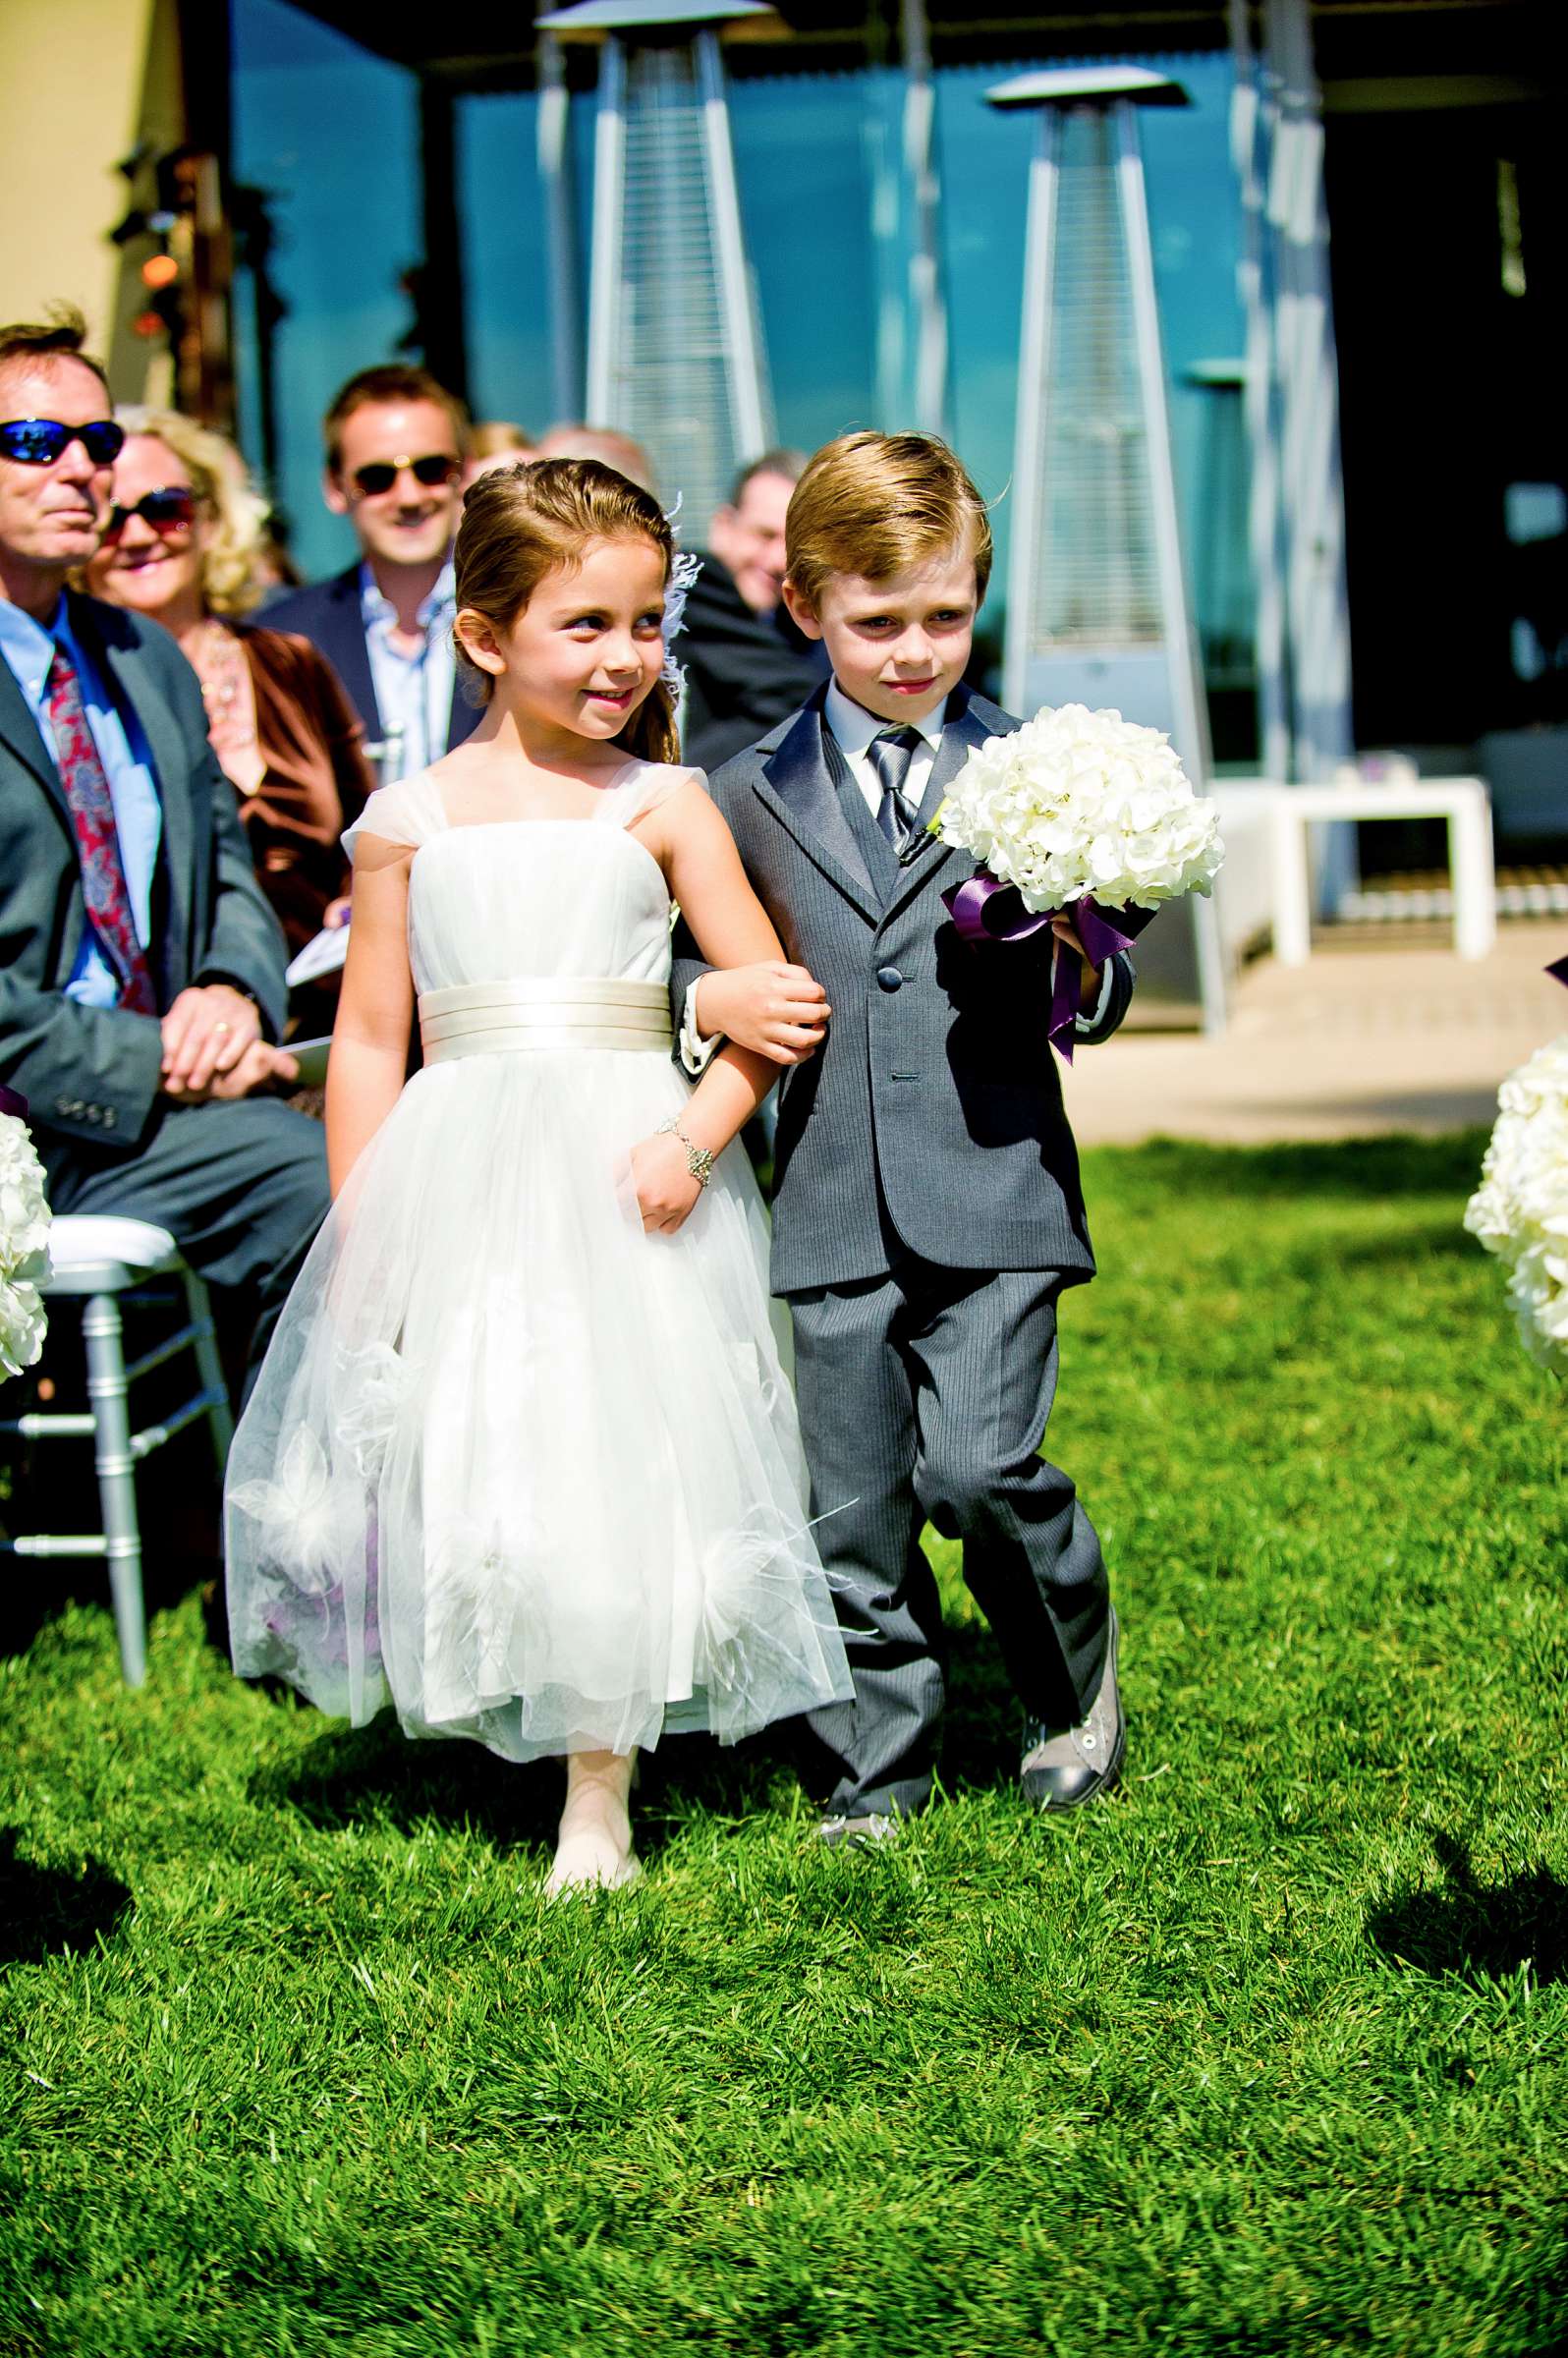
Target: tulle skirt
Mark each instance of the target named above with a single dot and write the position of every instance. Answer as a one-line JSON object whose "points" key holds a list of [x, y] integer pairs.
{"points": [[515, 1468]]}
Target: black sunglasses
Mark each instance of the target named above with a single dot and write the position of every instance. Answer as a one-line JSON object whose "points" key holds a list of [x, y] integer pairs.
{"points": [[170, 510], [437, 469], [40, 441]]}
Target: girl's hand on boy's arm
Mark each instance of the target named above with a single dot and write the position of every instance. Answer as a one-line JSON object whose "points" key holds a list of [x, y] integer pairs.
{"points": [[778, 1010]]}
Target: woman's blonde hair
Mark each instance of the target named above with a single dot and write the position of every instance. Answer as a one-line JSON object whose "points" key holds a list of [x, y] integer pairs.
{"points": [[878, 505], [523, 523], [232, 580], [495, 438]]}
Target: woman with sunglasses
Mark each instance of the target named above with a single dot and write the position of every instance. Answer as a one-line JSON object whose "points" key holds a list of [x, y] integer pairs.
{"points": [[183, 544]]}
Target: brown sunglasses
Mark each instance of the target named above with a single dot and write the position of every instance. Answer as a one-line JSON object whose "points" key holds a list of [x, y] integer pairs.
{"points": [[170, 511]]}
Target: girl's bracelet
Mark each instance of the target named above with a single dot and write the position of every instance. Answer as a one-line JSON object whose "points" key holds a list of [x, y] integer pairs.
{"points": [[699, 1159]]}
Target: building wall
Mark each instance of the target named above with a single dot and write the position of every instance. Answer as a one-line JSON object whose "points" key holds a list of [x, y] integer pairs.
{"points": [[84, 81]]}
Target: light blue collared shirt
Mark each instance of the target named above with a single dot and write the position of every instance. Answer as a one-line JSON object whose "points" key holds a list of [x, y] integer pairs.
{"points": [[413, 692], [29, 648]]}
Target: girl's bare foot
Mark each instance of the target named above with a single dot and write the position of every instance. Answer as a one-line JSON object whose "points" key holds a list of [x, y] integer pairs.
{"points": [[594, 1848]]}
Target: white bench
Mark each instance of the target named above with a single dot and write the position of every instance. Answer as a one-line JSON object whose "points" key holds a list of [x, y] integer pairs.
{"points": [[1291, 810]]}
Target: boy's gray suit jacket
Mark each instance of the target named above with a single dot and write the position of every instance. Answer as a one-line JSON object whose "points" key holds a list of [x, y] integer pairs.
{"points": [[937, 1101]]}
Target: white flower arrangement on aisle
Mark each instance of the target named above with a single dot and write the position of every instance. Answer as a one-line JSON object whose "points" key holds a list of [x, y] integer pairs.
{"points": [[1520, 1210], [24, 1241], [1079, 804]]}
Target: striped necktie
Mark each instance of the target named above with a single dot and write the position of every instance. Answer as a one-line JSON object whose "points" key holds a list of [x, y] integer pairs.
{"points": [[890, 754], [91, 807]]}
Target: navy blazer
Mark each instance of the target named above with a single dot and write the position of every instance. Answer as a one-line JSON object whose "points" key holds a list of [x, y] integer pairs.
{"points": [[329, 615], [935, 1107], [93, 1074]]}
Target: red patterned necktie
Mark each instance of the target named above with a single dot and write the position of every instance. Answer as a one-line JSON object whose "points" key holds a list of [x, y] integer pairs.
{"points": [[91, 807]]}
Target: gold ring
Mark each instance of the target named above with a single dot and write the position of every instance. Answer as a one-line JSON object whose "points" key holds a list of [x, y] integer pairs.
{"points": [[223, 1027]]}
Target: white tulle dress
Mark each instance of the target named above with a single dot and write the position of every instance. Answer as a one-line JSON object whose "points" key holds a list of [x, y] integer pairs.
{"points": [[511, 1465]]}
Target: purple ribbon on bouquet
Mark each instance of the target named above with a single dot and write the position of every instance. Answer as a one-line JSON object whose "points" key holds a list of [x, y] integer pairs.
{"points": [[985, 909], [13, 1101]]}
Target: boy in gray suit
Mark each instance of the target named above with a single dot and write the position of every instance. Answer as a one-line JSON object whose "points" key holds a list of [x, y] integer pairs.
{"points": [[927, 1210]]}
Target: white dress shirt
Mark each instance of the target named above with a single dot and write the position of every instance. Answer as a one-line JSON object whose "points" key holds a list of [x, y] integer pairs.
{"points": [[855, 730]]}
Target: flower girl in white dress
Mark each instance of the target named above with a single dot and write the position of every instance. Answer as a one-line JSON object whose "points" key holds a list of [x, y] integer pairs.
{"points": [[522, 1461]]}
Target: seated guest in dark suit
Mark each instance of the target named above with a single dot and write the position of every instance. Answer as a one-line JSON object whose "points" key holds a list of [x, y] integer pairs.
{"points": [[183, 545], [747, 665], [141, 984], [396, 441]]}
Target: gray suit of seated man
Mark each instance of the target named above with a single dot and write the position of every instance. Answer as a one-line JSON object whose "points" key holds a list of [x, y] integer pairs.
{"points": [[926, 1216], [147, 1062]]}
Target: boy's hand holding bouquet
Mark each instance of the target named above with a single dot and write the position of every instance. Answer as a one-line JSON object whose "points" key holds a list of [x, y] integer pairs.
{"points": [[1081, 813]]}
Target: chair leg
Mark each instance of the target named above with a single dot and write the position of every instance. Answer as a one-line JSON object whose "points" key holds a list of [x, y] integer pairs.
{"points": [[209, 1367], [117, 1490]]}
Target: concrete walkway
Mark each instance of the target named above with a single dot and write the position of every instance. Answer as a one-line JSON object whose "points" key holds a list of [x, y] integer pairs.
{"points": [[1380, 1031]]}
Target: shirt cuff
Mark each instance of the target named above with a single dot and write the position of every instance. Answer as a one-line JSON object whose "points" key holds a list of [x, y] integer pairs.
{"points": [[1088, 1020], [696, 1053]]}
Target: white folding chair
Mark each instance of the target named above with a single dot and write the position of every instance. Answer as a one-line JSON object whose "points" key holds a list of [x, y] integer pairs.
{"points": [[96, 1258]]}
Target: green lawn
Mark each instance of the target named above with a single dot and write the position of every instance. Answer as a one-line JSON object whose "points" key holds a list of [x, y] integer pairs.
{"points": [[1269, 2053]]}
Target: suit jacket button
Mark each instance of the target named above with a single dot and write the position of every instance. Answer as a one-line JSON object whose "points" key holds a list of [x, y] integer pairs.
{"points": [[889, 977], [108, 1118]]}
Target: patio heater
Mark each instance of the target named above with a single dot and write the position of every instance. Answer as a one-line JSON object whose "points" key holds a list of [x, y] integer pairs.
{"points": [[1098, 609], [1298, 505], [911, 306], [674, 347]]}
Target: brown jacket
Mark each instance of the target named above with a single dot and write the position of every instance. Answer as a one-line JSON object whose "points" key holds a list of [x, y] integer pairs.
{"points": [[316, 778]]}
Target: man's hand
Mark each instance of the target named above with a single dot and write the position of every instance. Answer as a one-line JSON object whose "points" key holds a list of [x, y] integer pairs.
{"points": [[778, 1010], [259, 1067], [665, 1188], [205, 1033]]}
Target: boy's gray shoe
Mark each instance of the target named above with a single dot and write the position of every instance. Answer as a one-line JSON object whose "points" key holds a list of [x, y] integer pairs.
{"points": [[1063, 1768], [874, 1832]]}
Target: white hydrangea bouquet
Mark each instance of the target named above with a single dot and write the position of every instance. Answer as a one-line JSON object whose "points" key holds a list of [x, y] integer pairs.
{"points": [[1081, 812], [1520, 1210], [24, 1239]]}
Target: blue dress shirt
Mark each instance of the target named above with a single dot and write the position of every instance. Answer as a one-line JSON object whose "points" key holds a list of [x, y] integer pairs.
{"points": [[413, 692], [29, 648]]}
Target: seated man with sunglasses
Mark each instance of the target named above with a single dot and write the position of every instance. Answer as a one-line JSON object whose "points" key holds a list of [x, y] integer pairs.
{"points": [[140, 969], [395, 446]]}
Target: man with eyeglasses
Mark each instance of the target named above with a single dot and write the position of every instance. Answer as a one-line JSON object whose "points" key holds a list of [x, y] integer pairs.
{"points": [[395, 446], [141, 984]]}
